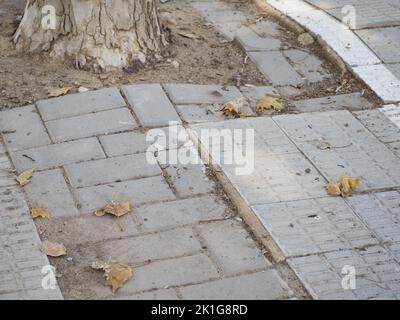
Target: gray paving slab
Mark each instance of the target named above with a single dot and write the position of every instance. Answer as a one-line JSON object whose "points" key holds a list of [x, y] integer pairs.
{"points": [[48, 190], [135, 192], [253, 94], [233, 247], [162, 294], [380, 212], [88, 125], [180, 212], [22, 128], [189, 179], [150, 104], [307, 64], [80, 103], [350, 101], [377, 274], [314, 226], [78, 231], [55, 155], [265, 285], [194, 113], [110, 170], [201, 94], [380, 125], [7, 175], [280, 172], [251, 41], [354, 150], [385, 42], [172, 272], [143, 248], [21, 260], [370, 15], [139, 141], [394, 68], [392, 112], [266, 27], [276, 68]]}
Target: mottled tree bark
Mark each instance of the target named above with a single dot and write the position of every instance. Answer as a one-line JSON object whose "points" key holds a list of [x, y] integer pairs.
{"points": [[100, 33]]}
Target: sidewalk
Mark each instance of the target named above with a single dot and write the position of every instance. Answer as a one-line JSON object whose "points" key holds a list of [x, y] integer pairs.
{"points": [[199, 231]]}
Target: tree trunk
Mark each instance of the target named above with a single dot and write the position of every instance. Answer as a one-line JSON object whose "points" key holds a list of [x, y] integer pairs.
{"points": [[100, 33]]}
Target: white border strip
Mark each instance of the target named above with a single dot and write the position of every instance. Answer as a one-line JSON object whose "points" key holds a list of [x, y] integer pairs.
{"points": [[346, 44]]}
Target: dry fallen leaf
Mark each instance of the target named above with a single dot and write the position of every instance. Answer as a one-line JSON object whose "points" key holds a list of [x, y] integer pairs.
{"points": [[59, 92], [333, 189], [115, 208], [53, 249], [116, 273], [344, 186], [25, 177], [269, 103], [40, 213], [233, 107]]}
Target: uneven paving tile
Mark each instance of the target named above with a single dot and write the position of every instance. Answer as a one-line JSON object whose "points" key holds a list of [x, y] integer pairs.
{"points": [[380, 212], [385, 42], [79, 230], [200, 94], [314, 226], [135, 191], [276, 68], [232, 247], [265, 28], [171, 272], [143, 248], [380, 125], [81, 103], [377, 274], [49, 190], [354, 150], [265, 285], [150, 104], [383, 82], [55, 155], [393, 113], [180, 212], [21, 260], [350, 101], [22, 128], [109, 170], [138, 142], [162, 294], [88, 125], [190, 179], [194, 113], [230, 29], [307, 65], [251, 41]]}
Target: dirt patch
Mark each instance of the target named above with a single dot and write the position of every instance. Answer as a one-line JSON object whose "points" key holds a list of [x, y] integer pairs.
{"points": [[205, 59]]}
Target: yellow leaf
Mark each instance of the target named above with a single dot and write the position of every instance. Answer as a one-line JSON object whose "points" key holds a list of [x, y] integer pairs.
{"points": [[25, 177], [269, 103], [100, 213], [115, 208], [59, 91], [354, 183], [233, 107], [40, 213], [117, 275], [333, 189], [53, 249], [246, 114]]}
